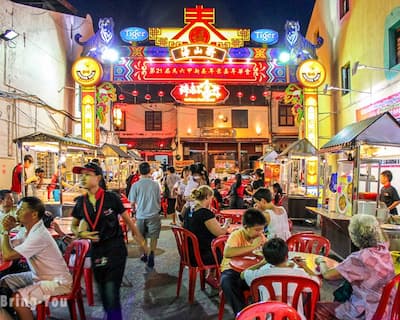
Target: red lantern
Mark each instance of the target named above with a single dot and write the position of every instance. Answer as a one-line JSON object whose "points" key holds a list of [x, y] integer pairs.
{"points": [[121, 97], [147, 96], [266, 94], [239, 94], [253, 98], [161, 93], [135, 93]]}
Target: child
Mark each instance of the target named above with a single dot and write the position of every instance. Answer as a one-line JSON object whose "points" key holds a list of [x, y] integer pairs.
{"points": [[241, 242], [277, 219], [388, 193], [275, 252]]}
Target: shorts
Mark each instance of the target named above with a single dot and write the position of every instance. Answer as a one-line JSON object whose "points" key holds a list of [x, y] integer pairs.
{"points": [[171, 206], [34, 293], [149, 228]]}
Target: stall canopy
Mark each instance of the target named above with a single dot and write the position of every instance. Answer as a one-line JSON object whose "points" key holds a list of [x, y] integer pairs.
{"points": [[112, 150], [299, 148], [135, 155], [269, 156], [45, 137], [381, 130]]}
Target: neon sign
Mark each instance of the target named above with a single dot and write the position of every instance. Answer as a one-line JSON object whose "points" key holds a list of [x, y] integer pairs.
{"points": [[203, 52], [88, 115], [266, 36], [202, 93], [133, 34]]}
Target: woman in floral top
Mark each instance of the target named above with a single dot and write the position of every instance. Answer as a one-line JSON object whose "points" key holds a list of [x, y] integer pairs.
{"points": [[368, 271]]}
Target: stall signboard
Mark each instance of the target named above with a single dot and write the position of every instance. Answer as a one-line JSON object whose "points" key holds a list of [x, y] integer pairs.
{"points": [[133, 34], [180, 164], [198, 51], [391, 104], [222, 166], [88, 114], [200, 93], [218, 132], [265, 36], [311, 73], [272, 173]]}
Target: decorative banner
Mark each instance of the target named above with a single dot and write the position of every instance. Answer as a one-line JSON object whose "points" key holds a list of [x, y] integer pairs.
{"points": [[133, 34], [105, 94], [199, 52], [199, 28], [294, 96], [88, 115], [87, 71], [311, 73], [200, 93], [159, 71], [391, 104], [265, 36]]}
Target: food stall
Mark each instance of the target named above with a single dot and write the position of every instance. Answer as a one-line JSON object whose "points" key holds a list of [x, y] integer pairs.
{"points": [[299, 178], [270, 166], [353, 161], [117, 166], [51, 152]]}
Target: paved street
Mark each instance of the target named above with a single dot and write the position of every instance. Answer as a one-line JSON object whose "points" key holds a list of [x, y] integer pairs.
{"points": [[152, 295]]}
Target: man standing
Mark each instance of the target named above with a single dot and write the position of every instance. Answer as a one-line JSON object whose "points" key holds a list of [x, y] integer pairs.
{"points": [[388, 193], [16, 182], [49, 275], [146, 195], [170, 180]]}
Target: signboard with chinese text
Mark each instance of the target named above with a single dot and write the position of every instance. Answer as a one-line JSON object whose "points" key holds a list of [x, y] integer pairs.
{"points": [[202, 93], [204, 52], [218, 132]]}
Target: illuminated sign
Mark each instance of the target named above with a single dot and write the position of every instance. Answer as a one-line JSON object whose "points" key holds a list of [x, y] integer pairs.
{"points": [[266, 36], [88, 115], [159, 71], [311, 73], [199, 29], [204, 92], [203, 52], [87, 71], [133, 34]]}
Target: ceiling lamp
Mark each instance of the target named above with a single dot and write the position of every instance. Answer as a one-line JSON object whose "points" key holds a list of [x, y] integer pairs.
{"points": [[9, 35]]}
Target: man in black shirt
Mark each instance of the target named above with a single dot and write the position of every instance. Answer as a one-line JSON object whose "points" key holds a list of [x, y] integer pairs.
{"points": [[388, 193]]}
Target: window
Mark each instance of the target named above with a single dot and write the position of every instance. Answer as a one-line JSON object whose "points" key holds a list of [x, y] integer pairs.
{"points": [[397, 45], [153, 120], [344, 7], [345, 79], [205, 118], [286, 118], [240, 119]]}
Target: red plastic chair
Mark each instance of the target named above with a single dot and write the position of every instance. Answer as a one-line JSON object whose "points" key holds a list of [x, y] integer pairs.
{"points": [[301, 284], [390, 292], [214, 206], [260, 310], [217, 248], [80, 249], [183, 238], [309, 243], [88, 277]]}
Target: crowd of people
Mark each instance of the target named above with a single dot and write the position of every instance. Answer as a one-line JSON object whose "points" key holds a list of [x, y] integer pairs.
{"points": [[189, 197]]}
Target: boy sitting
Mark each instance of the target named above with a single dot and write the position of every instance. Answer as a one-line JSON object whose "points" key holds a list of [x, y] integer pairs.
{"points": [[241, 242], [275, 251]]}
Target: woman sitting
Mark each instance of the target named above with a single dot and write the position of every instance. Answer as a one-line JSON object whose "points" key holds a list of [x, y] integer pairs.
{"points": [[278, 193], [367, 270], [277, 218], [236, 193], [202, 222]]}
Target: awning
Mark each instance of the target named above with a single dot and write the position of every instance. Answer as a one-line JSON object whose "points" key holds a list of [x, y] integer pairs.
{"points": [[299, 148], [135, 154], [112, 150], [269, 156], [45, 137], [381, 130]]}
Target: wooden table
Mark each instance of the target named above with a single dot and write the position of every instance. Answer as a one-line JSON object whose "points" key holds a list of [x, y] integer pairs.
{"points": [[241, 263], [234, 214]]}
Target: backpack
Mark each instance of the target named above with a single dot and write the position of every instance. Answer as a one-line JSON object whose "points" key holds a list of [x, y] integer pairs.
{"points": [[129, 182]]}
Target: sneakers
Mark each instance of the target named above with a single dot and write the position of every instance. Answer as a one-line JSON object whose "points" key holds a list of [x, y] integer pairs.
{"points": [[150, 260], [144, 258]]}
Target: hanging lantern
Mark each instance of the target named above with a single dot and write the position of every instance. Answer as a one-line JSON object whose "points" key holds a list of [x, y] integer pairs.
{"points": [[239, 94], [135, 93], [161, 93], [117, 116], [147, 97], [253, 98], [121, 97], [265, 94]]}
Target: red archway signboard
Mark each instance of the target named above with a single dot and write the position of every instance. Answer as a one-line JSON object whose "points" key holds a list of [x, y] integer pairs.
{"points": [[200, 93]]}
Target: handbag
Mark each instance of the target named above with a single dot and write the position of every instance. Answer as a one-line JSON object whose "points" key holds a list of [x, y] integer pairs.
{"points": [[344, 292]]}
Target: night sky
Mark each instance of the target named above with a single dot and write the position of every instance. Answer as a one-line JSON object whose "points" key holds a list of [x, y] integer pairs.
{"points": [[253, 14]]}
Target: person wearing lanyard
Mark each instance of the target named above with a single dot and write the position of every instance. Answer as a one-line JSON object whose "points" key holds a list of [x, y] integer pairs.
{"points": [[96, 217]]}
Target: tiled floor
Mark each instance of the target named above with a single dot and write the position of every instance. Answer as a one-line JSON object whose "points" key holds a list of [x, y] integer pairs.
{"points": [[152, 295]]}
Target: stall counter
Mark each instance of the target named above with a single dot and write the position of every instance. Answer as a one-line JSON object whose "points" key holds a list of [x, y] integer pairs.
{"points": [[335, 228], [297, 204]]}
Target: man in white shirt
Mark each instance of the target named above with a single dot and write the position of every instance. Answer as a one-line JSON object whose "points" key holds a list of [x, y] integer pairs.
{"points": [[49, 273], [275, 251]]}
